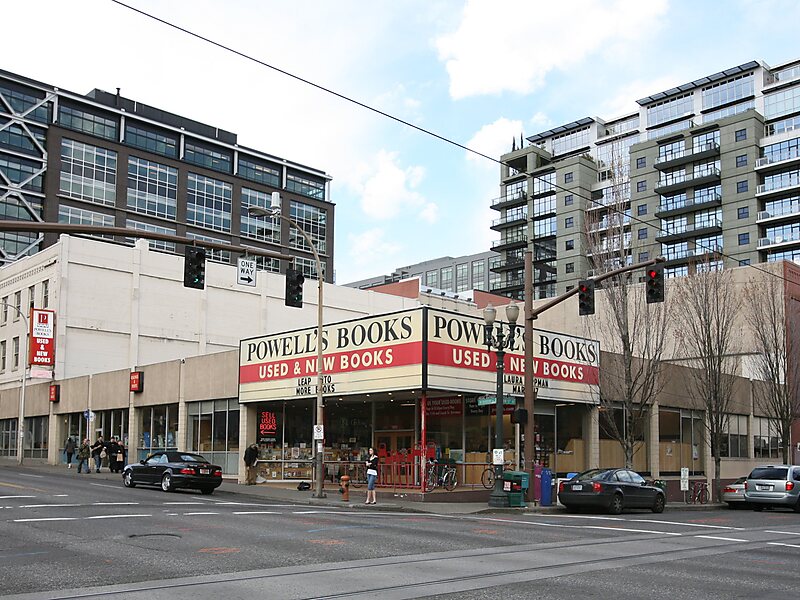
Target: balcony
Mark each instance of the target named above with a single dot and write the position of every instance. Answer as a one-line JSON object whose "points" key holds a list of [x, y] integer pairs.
{"points": [[702, 178], [778, 240], [686, 156], [515, 218], [518, 240], [509, 285], [783, 185], [705, 228], [669, 209], [509, 200], [508, 264], [764, 216], [782, 159], [614, 221]]}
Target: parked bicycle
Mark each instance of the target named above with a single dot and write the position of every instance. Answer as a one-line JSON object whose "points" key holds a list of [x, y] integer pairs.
{"points": [[487, 477], [440, 474], [698, 493]]}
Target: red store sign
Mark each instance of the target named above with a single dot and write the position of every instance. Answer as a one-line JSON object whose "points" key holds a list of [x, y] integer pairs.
{"points": [[42, 338]]}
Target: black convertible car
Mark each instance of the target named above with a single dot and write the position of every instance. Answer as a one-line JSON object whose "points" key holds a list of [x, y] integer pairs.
{"points": [[173, 470], [610, 489]]}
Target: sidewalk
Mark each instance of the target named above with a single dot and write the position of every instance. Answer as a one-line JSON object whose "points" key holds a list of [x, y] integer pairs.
{"points": [[388, 500]]}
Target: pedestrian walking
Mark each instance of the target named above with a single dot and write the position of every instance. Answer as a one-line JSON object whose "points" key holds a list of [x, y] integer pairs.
{"points": [[98, 452], [69, 450], [84, 452], [250, 461], [112, 450], [372, 476]]}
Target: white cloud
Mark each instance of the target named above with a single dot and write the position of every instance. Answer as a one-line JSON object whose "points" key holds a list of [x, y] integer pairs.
{"points": [[371, 253], [494, 140], [513, 46], [389, 190]]}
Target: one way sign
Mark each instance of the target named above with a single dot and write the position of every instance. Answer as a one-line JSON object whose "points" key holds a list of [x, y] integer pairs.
{"points": [[247, 272]]}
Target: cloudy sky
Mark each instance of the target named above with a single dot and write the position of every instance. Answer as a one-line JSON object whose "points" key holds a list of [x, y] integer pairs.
{"points": [[478, 72]]}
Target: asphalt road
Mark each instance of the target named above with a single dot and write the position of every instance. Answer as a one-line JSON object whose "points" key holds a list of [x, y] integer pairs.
{"points": [[67, 536]]}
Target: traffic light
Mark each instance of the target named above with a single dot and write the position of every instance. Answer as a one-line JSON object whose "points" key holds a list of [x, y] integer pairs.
{"points": [[655, 284], [194, 267], [294, 287], [586, 297]]}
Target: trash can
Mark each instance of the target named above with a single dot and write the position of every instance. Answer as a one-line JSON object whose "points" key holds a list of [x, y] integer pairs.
{"points": [[547, 487]]}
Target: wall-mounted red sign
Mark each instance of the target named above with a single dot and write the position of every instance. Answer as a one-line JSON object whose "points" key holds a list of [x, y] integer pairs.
{"points": [[137, 381], [42, 338], [55, 392]]}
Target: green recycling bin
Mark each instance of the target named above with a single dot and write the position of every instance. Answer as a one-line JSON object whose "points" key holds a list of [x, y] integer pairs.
{"points": [[515, 484], [516, 500]]}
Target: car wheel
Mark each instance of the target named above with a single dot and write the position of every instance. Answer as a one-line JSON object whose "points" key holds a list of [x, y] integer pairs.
{"points": [[127, 479], [615, 507], [797, 506], [658, 503], [206, 491], [166, 482]]}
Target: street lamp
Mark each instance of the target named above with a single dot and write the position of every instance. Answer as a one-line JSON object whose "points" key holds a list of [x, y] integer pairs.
{"points": [[21, 422], [498, 340], [275, 211]]}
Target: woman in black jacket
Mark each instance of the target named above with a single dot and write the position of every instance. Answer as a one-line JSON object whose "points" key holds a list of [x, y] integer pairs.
{"points": [[372, 476]]}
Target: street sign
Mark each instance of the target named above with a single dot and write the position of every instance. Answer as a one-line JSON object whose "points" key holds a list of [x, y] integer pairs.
{"points": [[491, 400], [498, 457], [246, 272], [86, 414], [319, 432], [684, 479]]}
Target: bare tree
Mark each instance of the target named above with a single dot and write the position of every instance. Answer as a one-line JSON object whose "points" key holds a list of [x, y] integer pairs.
{"points": [[774, 318], [629, 327], [705, 308]]}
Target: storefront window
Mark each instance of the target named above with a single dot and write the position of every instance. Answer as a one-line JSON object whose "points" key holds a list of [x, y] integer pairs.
{"points": [[692, 442], [213, 431], [570, 443], [158, 429], [669, 442], [613, 425], [8, 437], [35, 441], [444, 424]]}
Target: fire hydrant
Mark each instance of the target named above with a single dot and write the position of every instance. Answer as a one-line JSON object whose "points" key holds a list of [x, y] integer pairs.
{"points": [[344, 487]]}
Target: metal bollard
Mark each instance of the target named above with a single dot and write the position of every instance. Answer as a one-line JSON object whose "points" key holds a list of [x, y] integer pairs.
{"points": [[344, 489]]}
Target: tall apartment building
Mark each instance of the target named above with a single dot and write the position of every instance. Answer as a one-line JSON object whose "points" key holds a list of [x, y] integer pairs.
{"points": [[106, 160], [707, 171], [445, 274]]}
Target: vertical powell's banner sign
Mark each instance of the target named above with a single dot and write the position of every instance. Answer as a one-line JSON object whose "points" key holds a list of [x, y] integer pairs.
{"points": [[42, 337], [564, 366], [373, 354], [385, 353]]}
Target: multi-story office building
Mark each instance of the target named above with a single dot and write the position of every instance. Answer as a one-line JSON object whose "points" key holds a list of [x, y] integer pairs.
{"points": [[446, 274], [105, 160], [707, 171]]}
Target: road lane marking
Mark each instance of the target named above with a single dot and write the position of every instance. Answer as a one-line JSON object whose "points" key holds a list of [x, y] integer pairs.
{"points": [[628, 529], [257, 512], [579, 517], [684, 524], [114, 503], [115, 516], [186, 503], [724, 539], [195, 514], [784, 532], [29, 475], [113, 487], [60, 495], [782, 544], [10, 497], [47, 505]]}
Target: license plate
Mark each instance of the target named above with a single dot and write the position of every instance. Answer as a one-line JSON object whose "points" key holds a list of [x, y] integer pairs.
{"points": [[577, 487], [204, 471], [763, 488]]}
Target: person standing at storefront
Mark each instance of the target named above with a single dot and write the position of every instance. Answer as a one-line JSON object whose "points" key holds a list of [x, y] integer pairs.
{"points": [[372, 476], [112, 449], [84, 451], [250, 461], [98, 452], [69, 450]]}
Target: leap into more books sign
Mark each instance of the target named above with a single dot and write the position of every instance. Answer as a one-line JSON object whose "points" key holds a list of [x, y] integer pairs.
{"points": [[42, 338]]}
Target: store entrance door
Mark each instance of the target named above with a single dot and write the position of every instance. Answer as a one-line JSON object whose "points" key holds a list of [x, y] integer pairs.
{"points": [[394, 441], [397, 462]]}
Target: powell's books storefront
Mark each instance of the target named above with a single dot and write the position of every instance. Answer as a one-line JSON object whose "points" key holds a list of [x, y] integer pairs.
{"points": [[411, 383]]}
